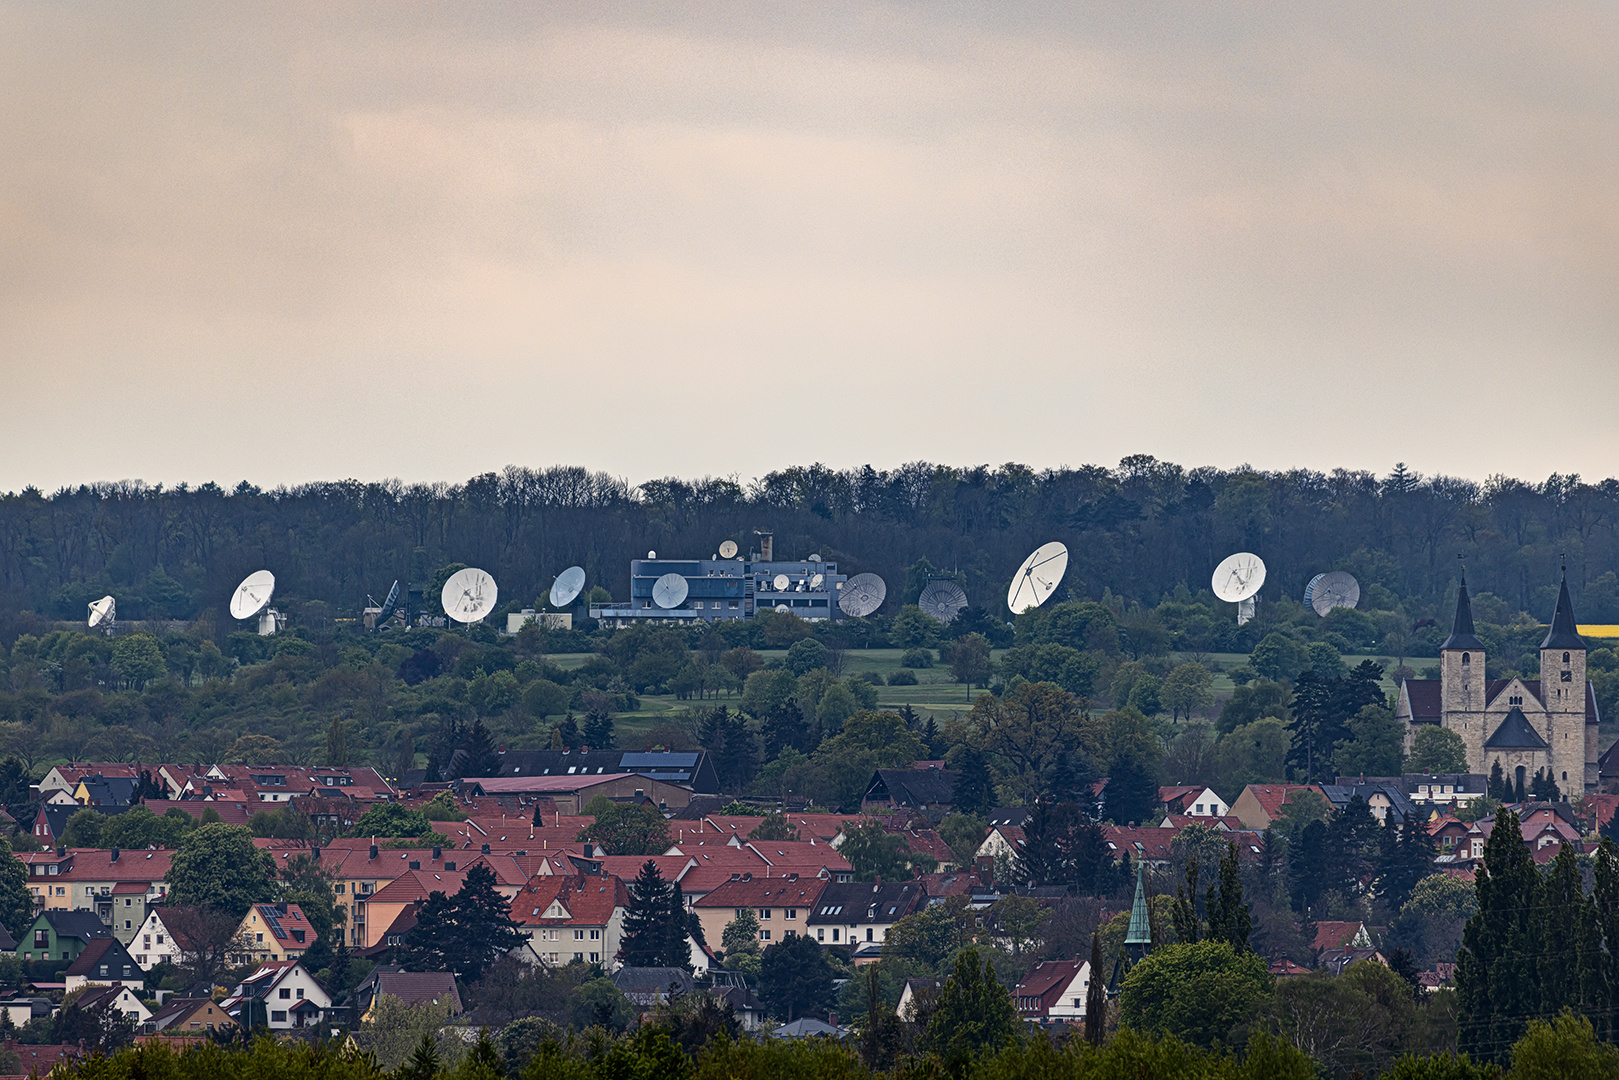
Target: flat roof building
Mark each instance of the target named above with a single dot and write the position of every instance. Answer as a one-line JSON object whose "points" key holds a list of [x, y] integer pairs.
{"points": [[739, 588]]}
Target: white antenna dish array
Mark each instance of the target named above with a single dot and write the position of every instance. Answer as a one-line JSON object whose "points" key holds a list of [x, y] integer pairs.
{"points": [[469, 595], [669, 591], [1037, 578], [105, 611], [1334, 590], [782, 582], [252, 597], [862, 595], [1237, 580], [728, 549], [567, 587], [943, 600]]}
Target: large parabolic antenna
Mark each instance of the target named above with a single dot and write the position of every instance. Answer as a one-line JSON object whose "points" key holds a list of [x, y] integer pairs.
{"points": [[1037, 578], [104, 610], [943, 600], [1335, 590], [782, 582], [728, 549], [252, 594], [469, 595], [669, 591], [566, 588], [1237, 580], [389, 606], [862, 595]]}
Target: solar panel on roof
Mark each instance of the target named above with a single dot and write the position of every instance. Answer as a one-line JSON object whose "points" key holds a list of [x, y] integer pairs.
{"points": [[677, 760]]}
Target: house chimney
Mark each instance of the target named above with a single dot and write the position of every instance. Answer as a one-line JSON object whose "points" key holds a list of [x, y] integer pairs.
{"points": [[486, 849], [767, 547], [438, 852], [113, 855], [373, 851], [314, 853]]}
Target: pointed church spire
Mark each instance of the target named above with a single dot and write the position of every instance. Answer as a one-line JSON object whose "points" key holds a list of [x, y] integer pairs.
{"points": [[1140, 931], [1563, 633], [1461, 631]]}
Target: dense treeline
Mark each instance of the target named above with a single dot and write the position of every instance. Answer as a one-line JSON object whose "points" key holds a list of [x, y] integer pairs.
{"points": [[1136, 531]]}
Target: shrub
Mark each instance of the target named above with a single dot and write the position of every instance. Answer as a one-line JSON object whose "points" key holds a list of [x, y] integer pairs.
{"points": [[902, 677], [917, 658]]}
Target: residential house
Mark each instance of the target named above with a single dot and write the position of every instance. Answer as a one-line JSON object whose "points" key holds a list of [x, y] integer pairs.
{"points": [[1443, 789], [1336, 936], [573, 917], [1260, 805], [688, 769], [189, 1016], [23, 1009], [434, 988], [855, 913], [1143, 843], [1194, 801], [85, 879], [104, 961], [289, 995], [117, 997], [155, 943], [731, 988], [1054, 990], [917, 998], [649, 986], [60, 935], [1386, 799], [1002, 847], [781, 904], [274, 932], [930, 792], [572, 793]]}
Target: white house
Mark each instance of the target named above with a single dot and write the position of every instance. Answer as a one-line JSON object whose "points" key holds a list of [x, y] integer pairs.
{"points": [[153, 943], [291, 996], [118, 998], [1054, 990]]}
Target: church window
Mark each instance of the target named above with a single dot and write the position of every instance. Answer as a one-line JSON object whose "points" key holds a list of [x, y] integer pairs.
{"points": [[1565, 776], [1565, 658], [1467, 658]]}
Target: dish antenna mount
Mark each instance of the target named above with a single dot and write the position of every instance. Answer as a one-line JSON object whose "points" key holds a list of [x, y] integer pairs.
{"points": [[1237, 580], [1037, 578], [104, 612], [943, 600], [469, 595], [567, 587], [252, 597]]}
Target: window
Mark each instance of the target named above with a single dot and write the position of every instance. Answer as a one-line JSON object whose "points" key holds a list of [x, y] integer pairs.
{"points": [[1199, 809], [278, 1016], [126, 971], [300, 993], [764, 935], [868, 933], [1565, 658], [160, 939], [578, 935], [338, 888], [834, 933], [41, 939], [595, 957], [764, 913], [284, 993], [258, 938], [595, 935], [103, 971], [820, 935], [578, 956], [792, 913]]}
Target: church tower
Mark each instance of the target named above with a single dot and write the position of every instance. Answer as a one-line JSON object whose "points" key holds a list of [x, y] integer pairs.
{"points": [[1562, 689], [1461, 682]]}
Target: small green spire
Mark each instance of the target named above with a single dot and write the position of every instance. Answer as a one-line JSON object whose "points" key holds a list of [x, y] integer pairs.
{"points": [[1140, 932]]}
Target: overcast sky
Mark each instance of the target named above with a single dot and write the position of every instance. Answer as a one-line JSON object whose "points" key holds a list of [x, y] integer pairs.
{"points": [[282, 243]]}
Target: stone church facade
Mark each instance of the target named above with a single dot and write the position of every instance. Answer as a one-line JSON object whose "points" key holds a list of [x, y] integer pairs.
{"points": [[1524, 724]]}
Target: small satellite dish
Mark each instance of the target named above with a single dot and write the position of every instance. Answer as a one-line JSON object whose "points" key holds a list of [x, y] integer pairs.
{"points": [[103, 611], [782, 582], [389, 605], [1037, 578], [1335, 590], [652, 554], [815, 556], [817, 581], [728, 549], [469, 595], [1237, 580], [943, 600], [252, 594], [567, 587], [784, 609], [862, 595], [669, 591]]}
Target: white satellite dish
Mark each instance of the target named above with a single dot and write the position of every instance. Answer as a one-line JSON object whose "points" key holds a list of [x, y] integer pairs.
{"points": [[103, 611], [782, 582], [469, 595], [728, 549], [669, 591], [815, 556], [943, 600], [1037, 578], [1237, 580], [252, 594], [784, 609], [566, 588], [817, 581], [1335, 590], [861, 595]]}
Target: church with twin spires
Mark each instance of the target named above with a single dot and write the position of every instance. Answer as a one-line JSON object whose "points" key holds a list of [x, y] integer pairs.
{"points": [[1525, 725]]}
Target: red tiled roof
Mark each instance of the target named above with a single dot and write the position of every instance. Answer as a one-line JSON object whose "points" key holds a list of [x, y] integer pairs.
{"points": [[1335, 935], [1271, 797], [1045, 979], [589, 901], [96, 864], [1141, 841], [764, 892]]}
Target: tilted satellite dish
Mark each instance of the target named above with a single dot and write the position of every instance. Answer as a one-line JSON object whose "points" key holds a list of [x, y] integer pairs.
{"points": [[782, 582], [469, 595], [862, 595], [389, 606], [1309, 590], [1237, 580], [815, 556], [1335, 590], [103, 611], [252, 594], [567, 587], [669, 591], [943, 600], [817, 581], [728, 549], [1037, 578]]}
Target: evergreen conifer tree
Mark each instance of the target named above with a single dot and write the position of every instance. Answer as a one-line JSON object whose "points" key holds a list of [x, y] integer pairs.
{"points": [[975, 788], [1131, 794], [1095, 996], [1497, 787], [648, 932], [1229, 918], [1497, 976]]}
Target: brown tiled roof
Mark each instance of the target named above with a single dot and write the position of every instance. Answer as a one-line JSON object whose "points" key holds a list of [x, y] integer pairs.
{"points": [[1047, 977], [1335, 935], [764, 892]]}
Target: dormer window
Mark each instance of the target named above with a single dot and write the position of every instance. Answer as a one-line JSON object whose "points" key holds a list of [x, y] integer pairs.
{"points": [[1467, 658]]}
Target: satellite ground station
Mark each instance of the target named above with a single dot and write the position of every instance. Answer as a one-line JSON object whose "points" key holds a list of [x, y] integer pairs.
{"points": [[252, 597], [1332, 590], [104, 614], [942, 599], [469, 596], [1237, 580]]}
